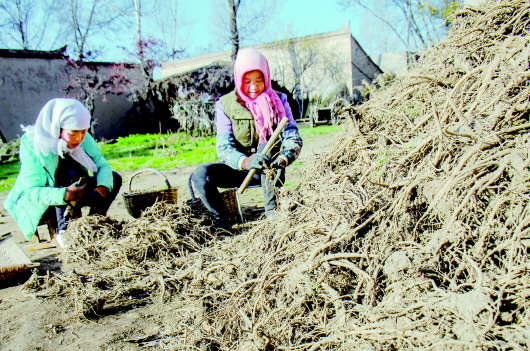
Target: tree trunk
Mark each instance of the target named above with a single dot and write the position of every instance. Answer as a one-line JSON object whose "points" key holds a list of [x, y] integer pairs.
{"points": [[233, 6], [139, 40]]}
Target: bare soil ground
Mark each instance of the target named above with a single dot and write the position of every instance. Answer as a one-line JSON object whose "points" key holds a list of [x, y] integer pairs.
{"points": [[28, 323]]}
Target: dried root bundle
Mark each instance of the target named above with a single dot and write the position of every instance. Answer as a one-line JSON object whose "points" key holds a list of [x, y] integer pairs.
{"points": [[112, 265]]}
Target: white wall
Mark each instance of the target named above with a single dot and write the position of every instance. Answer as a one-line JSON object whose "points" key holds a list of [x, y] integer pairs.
{"points": [[392, 62]]}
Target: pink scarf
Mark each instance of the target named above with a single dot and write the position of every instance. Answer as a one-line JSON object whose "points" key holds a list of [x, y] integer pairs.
{"points": [[267, 109]]}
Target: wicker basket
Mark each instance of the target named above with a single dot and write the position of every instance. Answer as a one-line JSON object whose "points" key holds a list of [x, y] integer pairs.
{"points": [[231, 204], [230, 201], [136, 202]]}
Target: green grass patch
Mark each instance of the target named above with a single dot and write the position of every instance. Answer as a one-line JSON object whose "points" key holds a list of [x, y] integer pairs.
{"points": [[160, 151], [306, 131], [8, 174]]}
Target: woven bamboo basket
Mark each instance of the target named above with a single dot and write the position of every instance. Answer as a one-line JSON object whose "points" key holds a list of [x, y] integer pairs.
{"points": [[230, 201], [231, 205], [136, 202]]}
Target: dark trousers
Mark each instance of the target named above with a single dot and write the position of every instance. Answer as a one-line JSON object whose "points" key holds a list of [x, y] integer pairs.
{"points": [[68, 172], [207, 178]]}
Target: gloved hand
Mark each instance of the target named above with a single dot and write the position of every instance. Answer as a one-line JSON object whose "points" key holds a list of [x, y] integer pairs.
{"points": [[73, 193], [102, 190], [256, 161], [280, 162], [259, 161]]}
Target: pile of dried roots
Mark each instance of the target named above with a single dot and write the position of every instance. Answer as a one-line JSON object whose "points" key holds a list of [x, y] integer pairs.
{"points": [[111, 266], [412, 234]]}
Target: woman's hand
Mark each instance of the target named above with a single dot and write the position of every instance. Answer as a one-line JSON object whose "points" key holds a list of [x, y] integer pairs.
{"points": [[257, 161], [73, 193], [102, 190], [280, 162]]}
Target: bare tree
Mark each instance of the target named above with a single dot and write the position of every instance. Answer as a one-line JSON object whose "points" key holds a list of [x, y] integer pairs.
{"points": [[293, 62], [142, 44], [144, 49], [416, 24], [90, 81], [240, 22], [138, 19], [28, 25], [302, 57], [166, 21], [86, 18]]}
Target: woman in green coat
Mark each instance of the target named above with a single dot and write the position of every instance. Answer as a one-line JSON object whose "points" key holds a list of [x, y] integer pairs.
{"points": [[56, 152]]}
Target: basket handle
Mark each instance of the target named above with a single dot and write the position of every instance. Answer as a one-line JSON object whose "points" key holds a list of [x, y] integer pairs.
{"points": [[151, 170]]}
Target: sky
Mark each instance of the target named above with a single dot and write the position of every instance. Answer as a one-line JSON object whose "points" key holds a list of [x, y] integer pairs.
{"points": [[199, 25], [292, 17], [316, 16], [199, 28]]}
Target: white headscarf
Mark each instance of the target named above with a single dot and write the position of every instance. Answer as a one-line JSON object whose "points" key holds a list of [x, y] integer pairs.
{"points": [[60, 114]]}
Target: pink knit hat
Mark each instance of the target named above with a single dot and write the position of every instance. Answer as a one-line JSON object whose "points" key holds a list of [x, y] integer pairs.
{"points": [[267, 108]]}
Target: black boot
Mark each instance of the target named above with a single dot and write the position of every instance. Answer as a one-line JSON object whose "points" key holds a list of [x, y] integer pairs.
{"points": [[220, 223]]}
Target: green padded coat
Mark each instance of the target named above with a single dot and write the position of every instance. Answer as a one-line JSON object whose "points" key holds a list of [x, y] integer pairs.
{"points": [[34, 189]]}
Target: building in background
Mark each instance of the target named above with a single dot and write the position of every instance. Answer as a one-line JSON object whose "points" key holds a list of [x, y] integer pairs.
{"points": [[395, 63], [303, 65]]}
